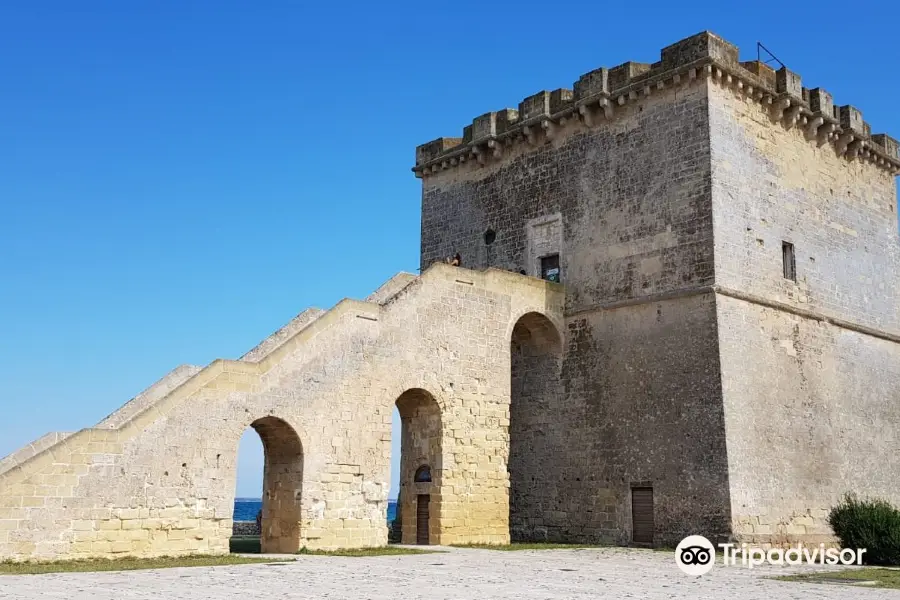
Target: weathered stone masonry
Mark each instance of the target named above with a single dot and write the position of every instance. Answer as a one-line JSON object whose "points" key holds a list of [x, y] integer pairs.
{"points": [[158, 477], [680, 356], [749, 402]]}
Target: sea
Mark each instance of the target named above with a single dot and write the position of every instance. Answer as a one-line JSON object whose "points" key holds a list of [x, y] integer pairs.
{"points": [[246, 509]]}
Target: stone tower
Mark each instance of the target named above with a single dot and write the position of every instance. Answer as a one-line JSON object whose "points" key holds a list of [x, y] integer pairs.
{"points": [[728, 243], [722, 357]]}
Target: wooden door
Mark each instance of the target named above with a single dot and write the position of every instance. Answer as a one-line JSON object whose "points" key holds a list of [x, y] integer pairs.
{"points": [[642, 515], [422, 518]]}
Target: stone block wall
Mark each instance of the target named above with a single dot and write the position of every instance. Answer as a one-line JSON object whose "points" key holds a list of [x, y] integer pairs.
{"points": [[644, 381], [773, 184], [672, 187], [811, 414], [810, 368], [536, 429], [626, 202], [163, 482], [629, 200], [245, 528], [36, 447]]}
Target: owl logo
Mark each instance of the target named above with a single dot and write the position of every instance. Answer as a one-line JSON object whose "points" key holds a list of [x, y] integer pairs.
{"points": [[695, 555]]}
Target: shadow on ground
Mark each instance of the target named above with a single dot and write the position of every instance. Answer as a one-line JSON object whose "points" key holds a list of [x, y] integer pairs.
{"points": [[244, 544]]}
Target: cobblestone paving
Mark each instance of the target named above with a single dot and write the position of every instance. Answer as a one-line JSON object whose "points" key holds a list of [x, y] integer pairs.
{"points": [[462, 574]]}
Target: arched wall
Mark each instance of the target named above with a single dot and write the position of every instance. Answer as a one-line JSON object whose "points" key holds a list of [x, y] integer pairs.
{"points": [[536, 439], [282, 486], [421, 443], [162, 482]]}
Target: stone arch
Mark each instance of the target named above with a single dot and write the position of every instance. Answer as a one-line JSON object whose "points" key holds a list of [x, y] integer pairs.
{"points": [[534, 319], [282, 485], [535, 435], [421, 443], [407, 385]]}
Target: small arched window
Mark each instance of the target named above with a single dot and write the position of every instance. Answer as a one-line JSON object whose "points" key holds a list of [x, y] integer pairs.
{"points": [[423, 474]]}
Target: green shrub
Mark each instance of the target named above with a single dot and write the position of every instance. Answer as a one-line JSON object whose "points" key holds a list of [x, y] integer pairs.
{"points": [[872, 524]]}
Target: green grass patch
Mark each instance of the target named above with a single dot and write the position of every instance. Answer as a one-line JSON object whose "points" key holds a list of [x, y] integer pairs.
{"points": [[525, 546], [883, 578], [128, 564], [382, 551], [250, 544], [244, 544]]}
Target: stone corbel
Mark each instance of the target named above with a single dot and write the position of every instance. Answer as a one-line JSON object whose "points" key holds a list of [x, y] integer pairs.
{"points": [[853, 149], [843, 142], [478, 154], [779, 107], [791, 115], [812, 128], [497, 147], [529, 133], [607, 107], [549, 127], [825, 133], [587, 115]]}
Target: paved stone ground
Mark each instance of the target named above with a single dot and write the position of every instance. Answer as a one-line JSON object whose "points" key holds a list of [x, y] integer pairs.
{"points": [[462, 574]]}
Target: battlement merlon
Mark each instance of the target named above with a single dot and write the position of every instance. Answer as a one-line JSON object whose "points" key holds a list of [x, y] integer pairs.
{"points": [[597, 94]]}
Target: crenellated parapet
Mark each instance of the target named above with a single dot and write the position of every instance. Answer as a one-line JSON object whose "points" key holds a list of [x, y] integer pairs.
{"points": [[597, 96]]}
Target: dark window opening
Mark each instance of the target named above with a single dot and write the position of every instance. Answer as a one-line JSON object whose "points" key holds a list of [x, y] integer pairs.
{"points": [[788, 261], [489, 236], [550, 268], [423, 474]]}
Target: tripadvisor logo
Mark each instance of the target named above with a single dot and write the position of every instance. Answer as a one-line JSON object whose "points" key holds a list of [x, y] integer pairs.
{"points": [[695, 555]]}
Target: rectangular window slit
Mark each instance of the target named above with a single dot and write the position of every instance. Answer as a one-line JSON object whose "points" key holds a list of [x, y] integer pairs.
{"points": [[367, 317], [465, 282], [788, 261]]}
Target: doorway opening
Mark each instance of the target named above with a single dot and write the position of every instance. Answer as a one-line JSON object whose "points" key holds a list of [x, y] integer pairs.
{"points": [[642, 523], [275, 528], [422, 518], [535, 431], [418, 501]]}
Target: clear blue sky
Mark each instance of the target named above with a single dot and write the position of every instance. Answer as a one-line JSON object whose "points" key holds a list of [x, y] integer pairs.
{"points": [[179, 179]]}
